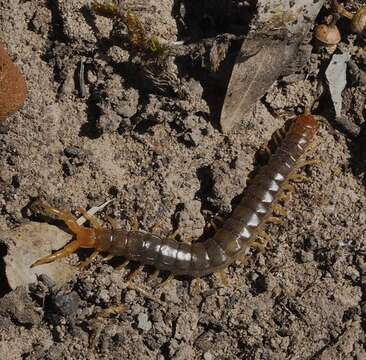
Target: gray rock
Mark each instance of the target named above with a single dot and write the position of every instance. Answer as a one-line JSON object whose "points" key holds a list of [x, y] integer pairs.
{"points": [[143, 322], [27, 243]]}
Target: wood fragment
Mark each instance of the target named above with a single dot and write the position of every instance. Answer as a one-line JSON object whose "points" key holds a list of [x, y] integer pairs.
{"points": [[276, 33]]}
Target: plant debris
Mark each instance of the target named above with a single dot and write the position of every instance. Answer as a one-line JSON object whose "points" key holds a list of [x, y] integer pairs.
{"points": [[271, 45], [336, 76]]}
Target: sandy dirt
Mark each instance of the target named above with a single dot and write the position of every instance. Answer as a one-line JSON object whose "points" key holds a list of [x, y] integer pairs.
{"points": [[155, 148]]}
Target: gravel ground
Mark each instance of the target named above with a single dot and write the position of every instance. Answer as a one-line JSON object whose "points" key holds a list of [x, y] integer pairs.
{"points": [[152, 144]]}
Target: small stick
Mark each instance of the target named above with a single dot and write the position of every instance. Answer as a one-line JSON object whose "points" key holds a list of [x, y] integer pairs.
{"points": [[93, 210], [82, 87]]}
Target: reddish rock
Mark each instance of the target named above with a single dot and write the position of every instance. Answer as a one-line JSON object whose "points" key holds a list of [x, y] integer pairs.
{"points": [[13, 89]]}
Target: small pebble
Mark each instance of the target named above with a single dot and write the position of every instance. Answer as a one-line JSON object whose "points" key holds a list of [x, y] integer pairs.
{"points": [[306, 256], [207, 356], [104, 296], [72, 151], [143, 322], [67, 305]]}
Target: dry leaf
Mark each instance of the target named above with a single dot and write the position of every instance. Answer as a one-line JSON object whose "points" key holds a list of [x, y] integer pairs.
{"points": [[337, 79]]}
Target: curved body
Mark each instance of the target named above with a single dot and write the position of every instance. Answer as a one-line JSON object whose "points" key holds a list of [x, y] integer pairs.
{"points": [[238, 232]]}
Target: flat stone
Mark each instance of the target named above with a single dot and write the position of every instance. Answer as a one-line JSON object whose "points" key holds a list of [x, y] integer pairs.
{"points": [[29, 242]]}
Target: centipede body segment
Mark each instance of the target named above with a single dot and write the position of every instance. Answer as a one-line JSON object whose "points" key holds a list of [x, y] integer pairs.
{"points": [[238, 232]]}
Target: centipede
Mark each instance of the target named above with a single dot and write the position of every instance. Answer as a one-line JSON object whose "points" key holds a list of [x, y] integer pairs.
{"points": [[260, 200]]}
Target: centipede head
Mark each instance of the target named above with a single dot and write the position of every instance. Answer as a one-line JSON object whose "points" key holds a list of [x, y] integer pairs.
{"points": [[86, 237], [305, 125]]}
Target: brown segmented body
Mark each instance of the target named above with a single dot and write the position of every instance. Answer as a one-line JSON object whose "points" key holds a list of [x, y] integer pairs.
{"points": [[230, 241]]}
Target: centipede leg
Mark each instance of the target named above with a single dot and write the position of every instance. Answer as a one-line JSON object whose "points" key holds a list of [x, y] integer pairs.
{"points": [[263, 235], [265, 152], [312, 147], [92, 219], [66, 251], [243, 259], [134, 273], [284, 197], [278, 209], [89, 260], [304, 163], [298, 178], [156, 227], [144, 293], [167, 280], [123, 265], [258, 245], [107, 258], [113, 222], [213, 223], [288, 187], [274, 220], [223, 277], [155, 274], [276, 138], [134, 223], [197, 286]]}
